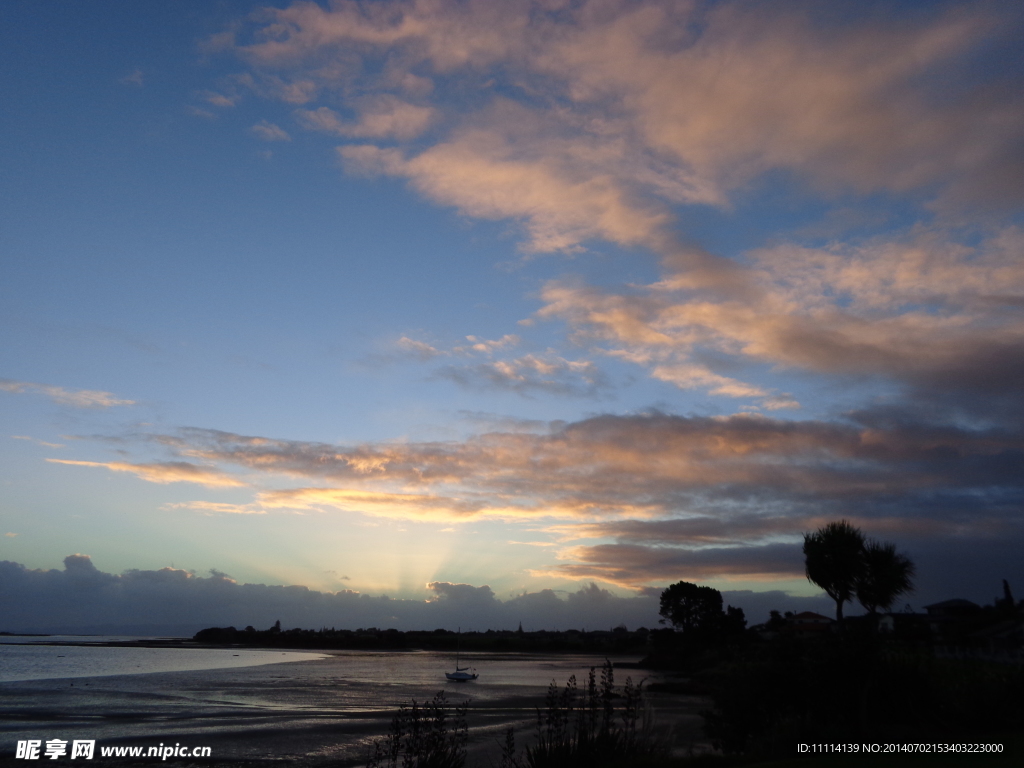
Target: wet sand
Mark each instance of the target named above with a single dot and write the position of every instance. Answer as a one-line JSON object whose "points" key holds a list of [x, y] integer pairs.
{"points": [[309, 713]]}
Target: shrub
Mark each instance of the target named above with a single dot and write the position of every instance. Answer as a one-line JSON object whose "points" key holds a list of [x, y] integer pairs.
{"points": [[427, 736], [585, 728]]}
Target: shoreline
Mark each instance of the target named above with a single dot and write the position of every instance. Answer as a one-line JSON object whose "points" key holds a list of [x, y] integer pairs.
{"points": [[189, 643], [308, 713]]}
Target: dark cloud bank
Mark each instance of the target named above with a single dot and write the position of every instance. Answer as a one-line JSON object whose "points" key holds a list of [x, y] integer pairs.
{"points": [[81, 598]]}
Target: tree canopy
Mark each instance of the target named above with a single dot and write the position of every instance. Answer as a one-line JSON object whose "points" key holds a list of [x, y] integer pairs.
{"points": [[696, 611], [834, 561], [886, 575], [691, 608], [840, 561]]}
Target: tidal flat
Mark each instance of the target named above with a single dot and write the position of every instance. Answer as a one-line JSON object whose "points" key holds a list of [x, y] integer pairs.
{"points": [[325, 710]]}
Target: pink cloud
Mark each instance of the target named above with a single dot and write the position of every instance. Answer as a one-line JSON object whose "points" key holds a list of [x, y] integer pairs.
{"points": [[611, 110]]}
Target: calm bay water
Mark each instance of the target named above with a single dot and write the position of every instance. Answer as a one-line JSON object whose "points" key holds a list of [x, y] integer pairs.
{"points": [[34, 661], [265, 703]]}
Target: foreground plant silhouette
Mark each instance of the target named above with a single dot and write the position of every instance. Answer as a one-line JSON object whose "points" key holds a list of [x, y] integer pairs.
{"points": [[575, 728], [584, 728], [428, 736]]}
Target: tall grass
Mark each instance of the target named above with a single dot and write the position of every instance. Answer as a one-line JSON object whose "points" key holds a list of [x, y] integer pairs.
{"points": [[585, 727], [433, 735]]}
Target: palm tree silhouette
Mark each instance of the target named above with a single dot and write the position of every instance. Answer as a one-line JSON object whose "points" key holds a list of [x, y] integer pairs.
{"points": [[886, 576], [834, 561]]}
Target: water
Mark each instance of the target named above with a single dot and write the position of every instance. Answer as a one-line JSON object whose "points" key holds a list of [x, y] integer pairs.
{"points": [[76, 639], [326, 708], [33, 661]]}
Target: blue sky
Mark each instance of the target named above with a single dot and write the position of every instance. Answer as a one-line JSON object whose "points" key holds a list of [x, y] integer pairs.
{"points": [[528, 296]]}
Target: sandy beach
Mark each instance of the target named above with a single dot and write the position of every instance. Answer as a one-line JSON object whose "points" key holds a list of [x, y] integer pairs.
{"points": [[322, 712]]}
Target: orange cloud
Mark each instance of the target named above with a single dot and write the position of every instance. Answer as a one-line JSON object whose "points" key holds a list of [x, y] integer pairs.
{"points": [[479, 174], [164, 472], [646, 498], [216, 507], [649, 466]]}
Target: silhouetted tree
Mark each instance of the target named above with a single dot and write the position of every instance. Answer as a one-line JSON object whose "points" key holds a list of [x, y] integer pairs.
{"points": [[691, 609], [834, 561], [734, 621], [885, 575]]}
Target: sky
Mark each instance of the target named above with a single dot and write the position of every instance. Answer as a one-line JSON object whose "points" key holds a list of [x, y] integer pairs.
{"points": [[439, 312]]}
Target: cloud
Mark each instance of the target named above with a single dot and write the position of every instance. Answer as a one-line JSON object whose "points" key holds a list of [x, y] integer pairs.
{"points": [[163, 472], [380, 117], [81, 597], [217, 507], [396, 505], [135, 78], [921, 308], [601, 120], [531, 373], [480, 176], [654, 497], [418, 349], [525, 375], [37, 442], [534, 543], [463, 593], [199, 112], [730, 530], [78, 398], [641, 464], [424, 351], [489, 346], [586, 121], [691, 376], [270, 132], [220, 99], [632, 565]]}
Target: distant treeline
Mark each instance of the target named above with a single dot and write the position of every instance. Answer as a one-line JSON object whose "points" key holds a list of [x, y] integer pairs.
{"points": [[619, 640]]}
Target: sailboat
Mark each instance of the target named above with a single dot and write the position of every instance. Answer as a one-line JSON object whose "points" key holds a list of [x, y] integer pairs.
{"points": [[461, 674]]}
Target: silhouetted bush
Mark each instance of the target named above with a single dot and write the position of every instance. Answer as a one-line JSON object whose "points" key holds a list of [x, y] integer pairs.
{"points": [[428, 736], [586, 728]]}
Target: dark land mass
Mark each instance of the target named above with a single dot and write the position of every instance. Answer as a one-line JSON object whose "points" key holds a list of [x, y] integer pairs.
{"points": [[617, 641], [761, 693], [941, 678], [952, 678]]}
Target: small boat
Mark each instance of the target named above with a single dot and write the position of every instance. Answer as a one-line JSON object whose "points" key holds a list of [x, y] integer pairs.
{"points": [[461, 674]]}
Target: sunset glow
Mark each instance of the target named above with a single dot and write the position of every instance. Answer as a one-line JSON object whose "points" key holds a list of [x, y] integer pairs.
{"points": [[477, 305]]}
